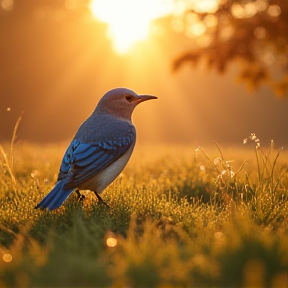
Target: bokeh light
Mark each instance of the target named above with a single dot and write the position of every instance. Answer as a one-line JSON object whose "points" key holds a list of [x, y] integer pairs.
{"points": [[7, 257], [192, 24], [6, 5], [274, 11], [111, 242], [206, 6]]}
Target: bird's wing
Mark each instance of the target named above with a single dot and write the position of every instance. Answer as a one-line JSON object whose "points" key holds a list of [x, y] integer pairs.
{"points": [[67, 160], [83, 160]]}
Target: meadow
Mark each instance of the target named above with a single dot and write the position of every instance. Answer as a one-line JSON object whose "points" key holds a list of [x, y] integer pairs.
{"points": [[178, 216]]}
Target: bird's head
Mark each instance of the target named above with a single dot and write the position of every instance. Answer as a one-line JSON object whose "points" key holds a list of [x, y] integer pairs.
{"points": [[121, 102]]}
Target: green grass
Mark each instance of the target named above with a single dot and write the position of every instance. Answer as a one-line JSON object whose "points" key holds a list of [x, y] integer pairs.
{"points": [[181, 218]]}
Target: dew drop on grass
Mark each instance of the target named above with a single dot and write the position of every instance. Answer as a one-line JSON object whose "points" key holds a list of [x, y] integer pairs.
{"points": [[202, 167]]}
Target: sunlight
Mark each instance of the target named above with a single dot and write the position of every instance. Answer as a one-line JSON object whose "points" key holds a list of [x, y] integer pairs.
{"points": [[129, 21]]}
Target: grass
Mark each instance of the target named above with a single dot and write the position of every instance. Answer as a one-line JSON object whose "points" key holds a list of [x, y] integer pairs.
{"points": [[214, 217]]}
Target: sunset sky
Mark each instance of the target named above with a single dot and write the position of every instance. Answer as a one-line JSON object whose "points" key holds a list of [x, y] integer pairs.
{"points": [[56, 61]]}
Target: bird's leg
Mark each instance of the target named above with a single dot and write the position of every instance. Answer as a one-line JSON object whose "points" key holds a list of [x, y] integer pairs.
{"points": [[81, 197], [100, 199]]}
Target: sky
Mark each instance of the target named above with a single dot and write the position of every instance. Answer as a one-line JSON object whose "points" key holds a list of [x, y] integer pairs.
{"points": [[56, 64]]}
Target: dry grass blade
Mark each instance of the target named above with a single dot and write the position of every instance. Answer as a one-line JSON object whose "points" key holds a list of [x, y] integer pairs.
{"points": [[9, 162], [241, 167], [9, 168], [207, 157], [14, 137]]}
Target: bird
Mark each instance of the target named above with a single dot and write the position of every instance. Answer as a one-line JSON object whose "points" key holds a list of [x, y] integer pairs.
{"points": [[99, 150]]}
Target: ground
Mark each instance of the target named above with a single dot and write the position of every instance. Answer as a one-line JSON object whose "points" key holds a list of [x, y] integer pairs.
{"points": [[178, 216]]}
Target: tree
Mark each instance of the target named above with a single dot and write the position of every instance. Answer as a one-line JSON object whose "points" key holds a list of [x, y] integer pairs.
{"points": [[252, 33]]}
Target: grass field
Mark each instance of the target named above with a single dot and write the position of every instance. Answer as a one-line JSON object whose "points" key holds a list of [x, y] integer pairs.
{"points": [[177, 218]]}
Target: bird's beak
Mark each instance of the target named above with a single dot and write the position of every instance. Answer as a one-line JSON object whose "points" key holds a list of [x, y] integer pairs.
{"points": [[145, 98]]}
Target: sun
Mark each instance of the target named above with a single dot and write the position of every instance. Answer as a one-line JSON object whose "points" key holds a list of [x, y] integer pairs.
{"points": [[129, 20]]}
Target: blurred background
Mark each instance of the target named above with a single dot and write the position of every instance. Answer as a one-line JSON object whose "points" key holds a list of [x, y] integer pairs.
{"points": [[219, 68]]}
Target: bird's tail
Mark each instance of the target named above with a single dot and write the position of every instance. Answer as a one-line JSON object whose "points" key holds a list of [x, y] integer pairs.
{"points": [[56, 196]]}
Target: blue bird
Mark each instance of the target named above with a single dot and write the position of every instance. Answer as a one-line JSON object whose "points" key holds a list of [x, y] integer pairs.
{"points": [[99, 150]]}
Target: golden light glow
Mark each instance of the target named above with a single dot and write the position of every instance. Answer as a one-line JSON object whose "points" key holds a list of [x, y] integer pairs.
{"points": [[7, 257], [129, 21], [203, 6], [191, 23], [111, 242], [210, 21], [251, 8], [274, 11], [198, 29], [6, 4], [209, 6]]}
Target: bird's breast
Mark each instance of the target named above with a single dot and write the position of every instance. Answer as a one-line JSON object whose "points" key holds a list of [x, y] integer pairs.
{"points": [[106, 176]]}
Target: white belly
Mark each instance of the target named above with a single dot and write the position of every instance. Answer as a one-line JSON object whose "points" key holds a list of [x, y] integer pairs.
{"points": [[105, 177]]}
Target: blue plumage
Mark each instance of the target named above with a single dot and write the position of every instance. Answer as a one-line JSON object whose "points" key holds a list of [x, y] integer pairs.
{"points": [[91, 161], [56, 196], [100, 149]]}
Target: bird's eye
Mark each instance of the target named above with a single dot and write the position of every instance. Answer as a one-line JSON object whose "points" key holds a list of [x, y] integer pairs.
{"points": [[129, 98]]}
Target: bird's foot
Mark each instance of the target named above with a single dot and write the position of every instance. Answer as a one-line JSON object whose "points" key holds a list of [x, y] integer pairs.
{"points": [[81, 197], [100, 199]]}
